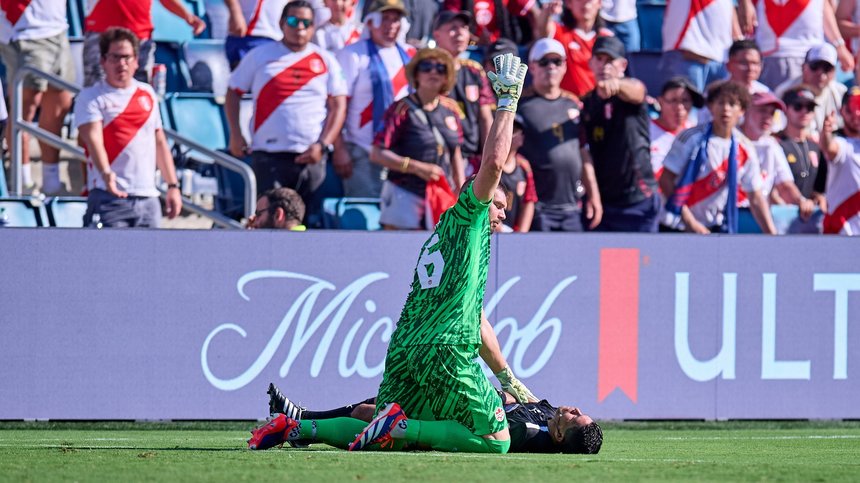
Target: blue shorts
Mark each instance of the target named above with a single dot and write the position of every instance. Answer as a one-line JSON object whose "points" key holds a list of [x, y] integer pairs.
{"points": [[237, 47]]}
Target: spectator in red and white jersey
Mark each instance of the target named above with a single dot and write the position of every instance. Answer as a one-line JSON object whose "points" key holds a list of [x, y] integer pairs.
{"points": [[340, 29], [696, 36], [696, 175], [33, 33], [785, 30], [375, 71], [472, 91], [492, 23], [252, 23], [777, 181], [578, 30], [843, 171], [136, 16], [299, 106], [677, 97], [120, 126]]}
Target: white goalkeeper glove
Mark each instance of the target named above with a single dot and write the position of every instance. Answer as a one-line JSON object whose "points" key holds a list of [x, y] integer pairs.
{"points": [[514, 387], [508, 81]]}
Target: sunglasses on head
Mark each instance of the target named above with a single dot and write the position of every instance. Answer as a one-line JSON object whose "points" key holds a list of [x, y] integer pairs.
{"points": [[554, 61], [821, 66], [426, 66], [293, 21]]}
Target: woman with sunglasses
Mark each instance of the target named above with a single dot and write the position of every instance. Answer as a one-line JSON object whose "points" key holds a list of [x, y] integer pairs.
{"points": [[420, 143]]}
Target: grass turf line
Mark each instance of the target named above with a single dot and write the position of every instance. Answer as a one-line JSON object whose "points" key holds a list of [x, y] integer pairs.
{"points": [[729, 451]]}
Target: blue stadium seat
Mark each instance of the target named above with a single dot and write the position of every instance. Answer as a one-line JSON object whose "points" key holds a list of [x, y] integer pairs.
{"points": [[4, 190], [650, 17], [351, 213], [786, 219], [66, 212], [199, 117], [22, 212], [75, 13], [169, 27], [207, 66], [170, 54]]}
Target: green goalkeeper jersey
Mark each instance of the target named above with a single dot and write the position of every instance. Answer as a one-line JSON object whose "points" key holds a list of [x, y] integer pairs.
{"points": [[444, 305]]}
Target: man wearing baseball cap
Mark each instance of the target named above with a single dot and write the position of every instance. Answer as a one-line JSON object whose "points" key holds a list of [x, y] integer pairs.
{"points": [[562, 169], [615, 118], [843, 180], [778, 182], [802, 152], [472, 90], [819, 74]]}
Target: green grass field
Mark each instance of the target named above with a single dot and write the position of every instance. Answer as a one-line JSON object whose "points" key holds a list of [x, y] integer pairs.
{"points": [[655, 451]]}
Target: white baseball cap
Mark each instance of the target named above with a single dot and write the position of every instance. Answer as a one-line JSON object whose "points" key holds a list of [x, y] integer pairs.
{"points": [[823, 52], [546, 46]]}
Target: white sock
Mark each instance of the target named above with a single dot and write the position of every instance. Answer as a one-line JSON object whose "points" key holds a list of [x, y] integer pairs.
{"points": [[51, 178], [27, 174]]}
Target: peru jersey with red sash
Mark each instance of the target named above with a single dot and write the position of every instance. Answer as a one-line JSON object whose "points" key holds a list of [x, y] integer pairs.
{"points": [[135, 16], [263, 17], [709, 193], [703, 27], [290, 92], [130, 118], [843, 189], [787, 28], [31, 19], [355, 60], [661, 141]]}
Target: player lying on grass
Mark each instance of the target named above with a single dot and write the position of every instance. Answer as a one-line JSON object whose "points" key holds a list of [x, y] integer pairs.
{"points": [[535, 427]]}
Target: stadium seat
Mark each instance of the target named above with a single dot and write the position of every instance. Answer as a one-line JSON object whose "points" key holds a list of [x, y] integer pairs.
{"points": [[786, 220], [199, 117], [66, 212], [75, 16], [207, 66], [650, 17], [22, 212], [645, 66], [170, 54], [4, 190], [351, 213], [169, 27]]}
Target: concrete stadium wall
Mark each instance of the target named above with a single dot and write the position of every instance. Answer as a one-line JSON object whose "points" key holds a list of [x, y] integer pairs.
{"points": [[124, 324]]}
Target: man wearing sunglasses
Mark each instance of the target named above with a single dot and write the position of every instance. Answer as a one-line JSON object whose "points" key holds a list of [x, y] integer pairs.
{"points": [[803, 154], [299, 106], [562, 169], [819, 74]]}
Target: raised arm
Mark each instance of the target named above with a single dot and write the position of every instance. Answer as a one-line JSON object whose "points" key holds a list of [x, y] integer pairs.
{"points": [[491, 353], [507, 82]]}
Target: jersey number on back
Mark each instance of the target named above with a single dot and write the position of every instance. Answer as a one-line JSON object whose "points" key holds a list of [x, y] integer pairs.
{"points": [[430, 265]]}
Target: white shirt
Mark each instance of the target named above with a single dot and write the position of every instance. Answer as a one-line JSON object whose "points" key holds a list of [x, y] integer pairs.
{"points": [[335, 37], [618, 10], [709, 210], [843, 181], [263, 17], [789, 28], [661, 142], [290, 92], [706, 32], [830, 100], [32, 19], [356, 67], [130, 118], [773, 165]]}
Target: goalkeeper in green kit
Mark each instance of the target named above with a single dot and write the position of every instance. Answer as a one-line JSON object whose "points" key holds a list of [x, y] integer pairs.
{"points": [[434, 393]]}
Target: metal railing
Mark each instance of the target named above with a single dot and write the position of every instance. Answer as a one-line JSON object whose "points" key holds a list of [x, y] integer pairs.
{"points": [[19, 126]]}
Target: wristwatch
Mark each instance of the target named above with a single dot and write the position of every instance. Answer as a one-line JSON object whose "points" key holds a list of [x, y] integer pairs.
{"points": [[327, 148]]}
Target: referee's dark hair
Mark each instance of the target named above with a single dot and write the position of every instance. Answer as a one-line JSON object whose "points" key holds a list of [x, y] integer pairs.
{"points": [[583, 439], [289, 201]]}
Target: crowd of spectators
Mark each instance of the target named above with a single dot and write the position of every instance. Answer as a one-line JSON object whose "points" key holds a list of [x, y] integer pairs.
{"points": [[749, 114]]}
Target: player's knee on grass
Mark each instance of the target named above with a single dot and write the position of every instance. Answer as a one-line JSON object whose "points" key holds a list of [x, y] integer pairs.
{"points": [[497, 446]]}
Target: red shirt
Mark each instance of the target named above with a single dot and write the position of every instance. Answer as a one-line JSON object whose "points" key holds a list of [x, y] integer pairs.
{"points": [[486, 23], [577, 46], [134, 15]]}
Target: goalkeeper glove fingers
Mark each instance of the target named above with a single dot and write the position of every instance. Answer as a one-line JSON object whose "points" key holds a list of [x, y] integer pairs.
{"points": [[514, 386]]}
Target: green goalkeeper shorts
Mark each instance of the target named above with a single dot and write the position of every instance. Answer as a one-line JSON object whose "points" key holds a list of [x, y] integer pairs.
{"points": [[442, 383]]}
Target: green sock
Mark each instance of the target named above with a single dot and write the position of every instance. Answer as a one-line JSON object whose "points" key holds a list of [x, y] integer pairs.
{"points": [[337, 432], [451, 436]]}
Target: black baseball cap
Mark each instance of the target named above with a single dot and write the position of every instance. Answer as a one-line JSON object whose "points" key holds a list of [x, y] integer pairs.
{"points": [[799, 95], [683, 82], [610, 46], [501, 47], [446, 16]]}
